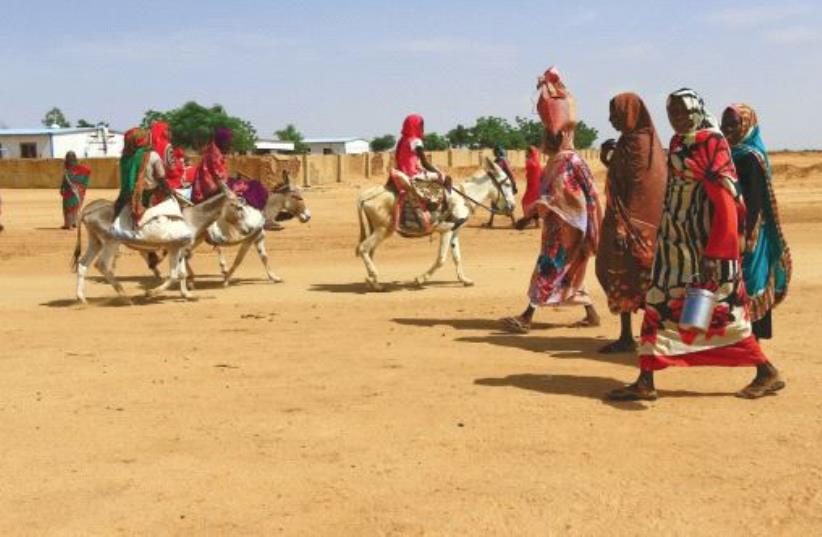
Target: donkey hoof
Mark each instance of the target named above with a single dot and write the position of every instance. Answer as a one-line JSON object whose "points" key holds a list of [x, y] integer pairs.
{"points": [[226, 282], [276, 279], [467, 283], [420, 281], [374, 284]]}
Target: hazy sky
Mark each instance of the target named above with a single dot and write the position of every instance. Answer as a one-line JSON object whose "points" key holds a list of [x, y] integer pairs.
{"points": [[358, 67]]}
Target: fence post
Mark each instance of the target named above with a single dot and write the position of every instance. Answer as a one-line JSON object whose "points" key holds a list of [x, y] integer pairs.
{"points": [[306, 181], [368, 165], [339, 168]]}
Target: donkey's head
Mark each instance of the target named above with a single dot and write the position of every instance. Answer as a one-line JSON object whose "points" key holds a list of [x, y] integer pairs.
{"points": [[286, 201]]}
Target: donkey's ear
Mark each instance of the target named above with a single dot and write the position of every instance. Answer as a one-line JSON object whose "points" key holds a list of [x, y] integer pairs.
{"points": [[286, 178]]}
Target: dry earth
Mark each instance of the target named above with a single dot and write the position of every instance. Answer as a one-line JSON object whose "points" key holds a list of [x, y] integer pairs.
{"points": [[314, 408]]}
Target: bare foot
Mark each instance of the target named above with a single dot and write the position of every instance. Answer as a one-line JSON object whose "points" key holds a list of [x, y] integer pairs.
{"points": [[587, 322]]}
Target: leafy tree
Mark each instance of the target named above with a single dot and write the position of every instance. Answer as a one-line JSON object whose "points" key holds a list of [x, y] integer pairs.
{"points": [[460, 136], [291, 134], [584, 136], [489, 131], [383, 143], [82, 123], [435, 142], [531, 132], [192, 125], [55, 117]]}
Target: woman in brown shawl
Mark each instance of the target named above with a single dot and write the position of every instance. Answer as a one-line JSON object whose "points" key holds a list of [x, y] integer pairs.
{"points": [[637, 176]]}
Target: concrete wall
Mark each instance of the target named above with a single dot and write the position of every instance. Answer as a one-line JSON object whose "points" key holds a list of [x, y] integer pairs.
{"points": [[306, 170]]}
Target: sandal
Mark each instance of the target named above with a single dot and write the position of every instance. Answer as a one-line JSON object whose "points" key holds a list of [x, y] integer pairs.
{"points": [[758, 388], [516, 325], [632, 392]]}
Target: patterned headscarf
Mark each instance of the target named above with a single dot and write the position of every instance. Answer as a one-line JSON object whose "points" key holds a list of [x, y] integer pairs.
{"points": [[135, 139], [701, 118], [746, 121]]}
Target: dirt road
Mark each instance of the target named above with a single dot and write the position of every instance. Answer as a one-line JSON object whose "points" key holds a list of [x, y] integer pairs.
{"points": [[314, 408]]}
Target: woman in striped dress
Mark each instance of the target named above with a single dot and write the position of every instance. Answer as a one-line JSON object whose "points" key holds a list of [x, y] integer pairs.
{"points": [[698, 240]]}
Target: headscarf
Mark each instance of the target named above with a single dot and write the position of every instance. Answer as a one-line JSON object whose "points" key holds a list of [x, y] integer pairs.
{"points": [[223, 137], [499, 152], [407, 160], [134, 139], [701, 118], [745, 138], [556, 106], [71, 160]]}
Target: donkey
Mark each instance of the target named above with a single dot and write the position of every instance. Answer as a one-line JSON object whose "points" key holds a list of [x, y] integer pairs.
{"points": [[375, 210], [247, 227], [104, 246]]}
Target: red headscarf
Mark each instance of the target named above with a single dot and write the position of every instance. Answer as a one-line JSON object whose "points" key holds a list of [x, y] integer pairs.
{"points": [[161, 143], [407, 160]]}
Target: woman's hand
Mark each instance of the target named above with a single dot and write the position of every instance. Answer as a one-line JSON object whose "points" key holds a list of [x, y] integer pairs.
{"points": [[710, 270], [606, 151]]}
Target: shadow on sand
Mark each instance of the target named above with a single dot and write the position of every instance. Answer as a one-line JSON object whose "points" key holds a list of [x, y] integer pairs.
{"points": [[467, 324], [577, 386], [362, 288], [117, 302], [585, 348]]}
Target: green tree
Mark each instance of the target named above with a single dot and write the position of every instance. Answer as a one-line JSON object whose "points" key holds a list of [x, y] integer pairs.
{"points": [[435, 142], [82, 123], [531, 132], [383, 143], [55, 117], [291, 134], [490, 131], [584, 136], [460, 136], [192, 126]]}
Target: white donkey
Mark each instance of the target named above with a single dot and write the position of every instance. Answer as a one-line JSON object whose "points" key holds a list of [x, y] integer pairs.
{"points": [[375, 208], [247, 227], [97, 218]]}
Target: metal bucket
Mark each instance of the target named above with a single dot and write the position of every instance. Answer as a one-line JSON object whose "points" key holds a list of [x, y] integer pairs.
{"points": [[698, 309]]}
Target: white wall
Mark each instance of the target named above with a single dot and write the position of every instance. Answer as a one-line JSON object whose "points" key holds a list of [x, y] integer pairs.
{"points": [[340, 148], [86, 144], [356, 147]]}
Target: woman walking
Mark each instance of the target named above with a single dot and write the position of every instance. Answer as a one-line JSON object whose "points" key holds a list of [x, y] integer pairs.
{"points": [[634, 192], [569, 208], [73, 189], [766, 262], [698, 240]]}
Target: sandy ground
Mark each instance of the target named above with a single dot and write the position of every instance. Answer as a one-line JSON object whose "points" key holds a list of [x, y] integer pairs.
{"points": [[314, 408]]}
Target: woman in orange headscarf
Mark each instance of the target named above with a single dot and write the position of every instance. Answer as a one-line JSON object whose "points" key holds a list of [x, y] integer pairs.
{"points": [[569, 208], [637, 175]]}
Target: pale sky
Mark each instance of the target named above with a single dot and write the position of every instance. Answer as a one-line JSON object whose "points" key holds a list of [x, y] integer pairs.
{"points": [[358, 67]]}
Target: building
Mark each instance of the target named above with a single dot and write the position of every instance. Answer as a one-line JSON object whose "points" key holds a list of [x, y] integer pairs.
{"points": [[90, 142], [267, 147], [337, 146]]}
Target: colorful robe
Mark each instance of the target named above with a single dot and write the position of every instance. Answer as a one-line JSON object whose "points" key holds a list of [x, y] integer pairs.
{"points": [[700, 217], [571, 214], [73, 189]]}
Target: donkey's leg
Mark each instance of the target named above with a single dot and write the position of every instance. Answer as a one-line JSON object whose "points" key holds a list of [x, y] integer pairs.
{"points": [[259, 243], [173, 273], [182, 272], [366, 250], [456, 255], [83, 263], [105, 264], [222, 261], [187, 255], [445, 240], [237, 260]]}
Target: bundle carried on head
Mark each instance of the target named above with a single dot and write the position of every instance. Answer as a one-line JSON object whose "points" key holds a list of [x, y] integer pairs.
{"points": [[556, 105]]}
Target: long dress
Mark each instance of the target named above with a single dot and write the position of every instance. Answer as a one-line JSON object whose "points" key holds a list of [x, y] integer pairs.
{"points": [[700, 218], [570, 210], [73, 190], [635, 189], [533, 173], [766, 263]]}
